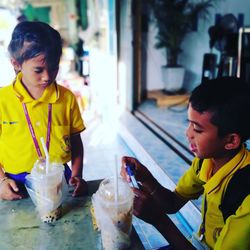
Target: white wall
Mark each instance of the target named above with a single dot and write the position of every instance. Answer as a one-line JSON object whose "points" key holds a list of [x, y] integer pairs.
{"points": [[155, 59], [126, 58]]}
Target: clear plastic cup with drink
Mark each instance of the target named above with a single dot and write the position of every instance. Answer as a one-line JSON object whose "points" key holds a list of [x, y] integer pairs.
{"points": [[114, 214], [46, 186]]}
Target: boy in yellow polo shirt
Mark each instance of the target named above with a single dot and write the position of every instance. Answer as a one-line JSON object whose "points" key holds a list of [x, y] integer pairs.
{"points": [[219, 124], [34, 106]]}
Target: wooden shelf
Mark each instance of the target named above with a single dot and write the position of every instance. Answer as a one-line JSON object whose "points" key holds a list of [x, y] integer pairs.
{"points": [[163, 99]]}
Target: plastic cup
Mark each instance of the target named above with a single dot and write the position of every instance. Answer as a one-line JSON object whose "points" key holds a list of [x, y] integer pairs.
{"points": [[114, 218], [46, 190]]}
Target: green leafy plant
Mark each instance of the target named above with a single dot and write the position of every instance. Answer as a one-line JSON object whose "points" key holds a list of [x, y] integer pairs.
{"points": [[174, 19]]}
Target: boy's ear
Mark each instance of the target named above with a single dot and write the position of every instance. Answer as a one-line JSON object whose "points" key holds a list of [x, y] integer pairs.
{"points": [[233, 141], [15, 64]]}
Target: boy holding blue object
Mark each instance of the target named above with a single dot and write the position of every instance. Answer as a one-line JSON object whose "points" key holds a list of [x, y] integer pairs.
{"points": [[35, 106], [219, 124]]}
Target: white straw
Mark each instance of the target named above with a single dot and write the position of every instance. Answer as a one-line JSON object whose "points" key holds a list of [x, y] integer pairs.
{"points": [[46, 154], [116, 181]]}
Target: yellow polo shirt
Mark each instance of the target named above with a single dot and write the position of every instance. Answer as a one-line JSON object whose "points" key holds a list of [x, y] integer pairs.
{"points": [[17, 150], [235, 233]]}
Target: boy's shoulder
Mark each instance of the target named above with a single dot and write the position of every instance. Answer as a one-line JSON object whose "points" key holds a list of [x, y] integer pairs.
{"points": [[64, 90], [7, 87], [6, 90], [237, 190]]}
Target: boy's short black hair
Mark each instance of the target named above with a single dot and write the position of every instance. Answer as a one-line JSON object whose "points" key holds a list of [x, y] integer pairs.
{"points": [[30, 39], [228, 99]]}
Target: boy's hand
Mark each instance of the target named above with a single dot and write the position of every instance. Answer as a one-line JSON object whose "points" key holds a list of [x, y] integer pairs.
{"points": [[9, 190], [145, 207], [81, 186], [142, 174]]}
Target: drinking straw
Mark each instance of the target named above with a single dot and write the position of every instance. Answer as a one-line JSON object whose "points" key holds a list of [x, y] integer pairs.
{"points": [[46, 154], [116, 181]]}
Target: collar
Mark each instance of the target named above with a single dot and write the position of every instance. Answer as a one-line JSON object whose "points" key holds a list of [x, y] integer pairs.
{"points": [[50, 94], [212, 183]]}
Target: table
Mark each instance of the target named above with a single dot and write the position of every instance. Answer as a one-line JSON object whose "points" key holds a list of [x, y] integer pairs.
{"points": [[21, 227]]}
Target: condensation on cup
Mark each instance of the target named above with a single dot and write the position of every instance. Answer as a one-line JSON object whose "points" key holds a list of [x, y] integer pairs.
{"points": [[114, 218], [47, 189]]}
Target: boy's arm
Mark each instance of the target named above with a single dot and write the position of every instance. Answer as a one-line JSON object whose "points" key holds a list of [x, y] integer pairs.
{"points": [[170, 201], [175, 238], [76, 155], [8, 188], [146, 209], [2, 174], [77, 166]]}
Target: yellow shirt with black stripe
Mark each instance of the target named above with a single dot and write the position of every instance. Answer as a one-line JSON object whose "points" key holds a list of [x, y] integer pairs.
{"points": [[17, 150], [235, 232]]}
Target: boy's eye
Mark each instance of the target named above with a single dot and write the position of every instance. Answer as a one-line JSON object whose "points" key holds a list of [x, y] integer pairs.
{"points": [[38, 70], [197, 129]]}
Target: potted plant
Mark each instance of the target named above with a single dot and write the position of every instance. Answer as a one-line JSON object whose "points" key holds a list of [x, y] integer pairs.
{"points": [[174, 19]]}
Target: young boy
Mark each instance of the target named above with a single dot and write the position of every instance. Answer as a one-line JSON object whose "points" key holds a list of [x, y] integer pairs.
{"points": [[219, 124], [34, 106]]}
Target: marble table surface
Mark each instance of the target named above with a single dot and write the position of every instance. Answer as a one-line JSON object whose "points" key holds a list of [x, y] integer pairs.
{"points": [[21, 227]]}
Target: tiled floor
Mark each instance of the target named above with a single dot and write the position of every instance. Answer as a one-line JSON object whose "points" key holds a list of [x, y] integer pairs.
{"points": [[103, 149], [172, 120]]}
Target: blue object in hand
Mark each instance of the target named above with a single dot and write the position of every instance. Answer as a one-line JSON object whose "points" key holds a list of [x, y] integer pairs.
{"points": [[130, 171]]}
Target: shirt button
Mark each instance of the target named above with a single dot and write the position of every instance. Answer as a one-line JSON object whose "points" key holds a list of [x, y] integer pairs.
{"points": [[38, 124]]}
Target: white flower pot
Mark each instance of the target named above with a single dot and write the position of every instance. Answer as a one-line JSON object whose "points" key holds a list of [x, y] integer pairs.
{"points": [[173, 78]]}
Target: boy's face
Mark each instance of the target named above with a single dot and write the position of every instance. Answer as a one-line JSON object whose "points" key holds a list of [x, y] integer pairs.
{"points": [[36, 73], [203, 135]]}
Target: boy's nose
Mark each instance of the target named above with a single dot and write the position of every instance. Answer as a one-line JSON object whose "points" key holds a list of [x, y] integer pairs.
{"points": [[189, 131], [45, 76]]}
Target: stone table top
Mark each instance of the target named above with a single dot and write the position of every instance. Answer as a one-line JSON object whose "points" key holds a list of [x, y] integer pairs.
{"points": [[22, 229]]}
